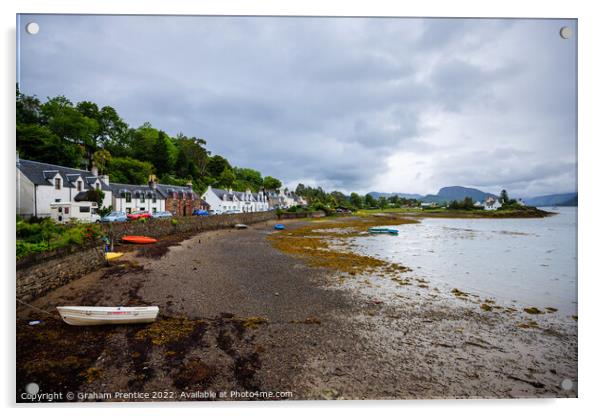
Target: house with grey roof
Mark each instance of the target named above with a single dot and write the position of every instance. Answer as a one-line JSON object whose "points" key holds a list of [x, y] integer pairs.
{"points": [[227, 200], [39, 185], [130, 198]]}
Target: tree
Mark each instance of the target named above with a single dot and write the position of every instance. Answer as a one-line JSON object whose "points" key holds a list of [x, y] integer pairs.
{"points": [[101, 159], [217, 165], [164, 154], [28, 109], [382, 202], [270, 183], [39, 143], [128, 170], [247, 179], [369, 201], [356, 200], [70, 125], [504, 197], [227, 178]]}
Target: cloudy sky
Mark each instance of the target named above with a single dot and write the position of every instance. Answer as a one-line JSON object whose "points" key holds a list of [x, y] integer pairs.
{"points": [[382, 104]]}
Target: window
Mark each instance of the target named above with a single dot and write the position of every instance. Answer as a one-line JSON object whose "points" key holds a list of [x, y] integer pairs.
{"points": [[154, 198], [97, 186], [57, 200], [128, 197], [142, 197], [66, 210], [154, 210], [79, 186], [128, 210], [84, 209], [57, 183]]}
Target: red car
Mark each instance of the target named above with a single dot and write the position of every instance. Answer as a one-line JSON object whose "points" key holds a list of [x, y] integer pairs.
{"points": [[136, 215]]}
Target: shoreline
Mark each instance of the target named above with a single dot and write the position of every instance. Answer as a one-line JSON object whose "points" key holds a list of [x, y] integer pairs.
{"points": [[238, 314]]}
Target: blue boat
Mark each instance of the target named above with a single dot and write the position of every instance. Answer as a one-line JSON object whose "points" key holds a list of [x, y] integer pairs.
{"points": [[279, 227], [379, 230]]}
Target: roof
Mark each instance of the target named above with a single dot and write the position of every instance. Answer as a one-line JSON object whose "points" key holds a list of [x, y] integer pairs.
{"points": [[119, 188], [41, 173], [221, 192], [166, 190]]}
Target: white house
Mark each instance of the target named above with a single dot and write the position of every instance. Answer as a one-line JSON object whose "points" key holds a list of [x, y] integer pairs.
{"points": [[41, 184], [222, 200], [491, 204], [130, 198], [284, 199]]}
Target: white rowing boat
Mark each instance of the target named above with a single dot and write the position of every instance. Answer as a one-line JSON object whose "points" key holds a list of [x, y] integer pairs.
{"points": [[241, 226], [103, 315]]}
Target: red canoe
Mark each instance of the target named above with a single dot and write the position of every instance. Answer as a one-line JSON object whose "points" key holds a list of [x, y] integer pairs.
{"points": [[138, 239]]}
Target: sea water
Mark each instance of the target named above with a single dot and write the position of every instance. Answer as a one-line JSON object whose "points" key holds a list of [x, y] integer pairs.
{"points": [[527, 261]]}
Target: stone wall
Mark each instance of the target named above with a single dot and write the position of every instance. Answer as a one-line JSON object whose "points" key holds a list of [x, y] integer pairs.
{"points": [[157, 228], [292, 215], [42, 272]]}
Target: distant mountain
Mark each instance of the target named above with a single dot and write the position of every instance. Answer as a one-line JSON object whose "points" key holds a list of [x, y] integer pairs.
{"points": [[457, 193], [560, 200], [377, 195]]}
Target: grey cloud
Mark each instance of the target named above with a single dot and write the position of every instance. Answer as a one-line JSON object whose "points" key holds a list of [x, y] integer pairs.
{"points": [[329, 100]]}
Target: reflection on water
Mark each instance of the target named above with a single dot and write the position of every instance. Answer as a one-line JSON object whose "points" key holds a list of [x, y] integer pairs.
{"points": [[531, 261]]}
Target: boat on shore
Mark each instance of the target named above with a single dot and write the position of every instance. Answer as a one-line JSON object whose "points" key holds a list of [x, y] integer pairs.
{"points": [[138, 239], [241, 226], [110, 255], [380, 230], [105, 315], [279, 227]]}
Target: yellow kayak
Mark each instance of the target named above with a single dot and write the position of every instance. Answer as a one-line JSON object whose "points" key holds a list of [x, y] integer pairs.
{"points": [[112, 256]]}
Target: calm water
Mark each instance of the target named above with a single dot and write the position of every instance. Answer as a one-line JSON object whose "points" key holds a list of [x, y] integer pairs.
{"points": [[530, 261]]}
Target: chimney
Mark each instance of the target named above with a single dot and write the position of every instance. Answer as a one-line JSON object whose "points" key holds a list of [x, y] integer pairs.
{"points": [[229, 190], [152, 182], [94, 170], [105, 179], [189, 184]]}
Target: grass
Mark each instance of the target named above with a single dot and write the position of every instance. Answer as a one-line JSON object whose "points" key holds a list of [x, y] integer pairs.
{"points": [[313, 243], [45, 235]]}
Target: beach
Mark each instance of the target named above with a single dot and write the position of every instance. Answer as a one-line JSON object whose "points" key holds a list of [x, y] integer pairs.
{"points": [[254, 314]]}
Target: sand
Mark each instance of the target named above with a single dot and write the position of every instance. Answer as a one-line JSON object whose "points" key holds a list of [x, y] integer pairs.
{"points": [[241, 320]]}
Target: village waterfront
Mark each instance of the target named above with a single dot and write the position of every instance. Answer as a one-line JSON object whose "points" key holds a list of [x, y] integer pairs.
{"points": [[309, 311]]}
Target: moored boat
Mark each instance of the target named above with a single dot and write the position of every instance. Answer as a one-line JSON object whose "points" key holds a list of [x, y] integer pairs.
{"points": [[138, 239], [105, 315], [112, 255], [380, 230], [279, 227]]}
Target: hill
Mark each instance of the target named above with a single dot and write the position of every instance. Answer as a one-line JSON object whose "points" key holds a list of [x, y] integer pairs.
{"points": [[562, 200], [377, 195], [457, 193]]}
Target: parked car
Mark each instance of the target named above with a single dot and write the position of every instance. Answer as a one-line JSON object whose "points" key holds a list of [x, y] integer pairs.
{"points": [[162, 214], [200, 212], [136, 215], [115, 216]]}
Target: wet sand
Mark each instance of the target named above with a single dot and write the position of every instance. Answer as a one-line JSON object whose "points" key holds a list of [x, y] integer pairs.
{"points": [[238, 315]]}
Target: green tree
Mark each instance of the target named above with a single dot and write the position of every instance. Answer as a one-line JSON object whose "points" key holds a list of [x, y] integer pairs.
{"points": [[356, 200], [270, 183], [382, 202], [227, 178], [128, 170], [39, 143], [216, 165], [69, 124], [504, 197], [164, 154], [101, 159], [369, 201]]}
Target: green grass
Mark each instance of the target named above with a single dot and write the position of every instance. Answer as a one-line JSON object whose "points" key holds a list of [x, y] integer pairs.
{"points": [[44, 235]]}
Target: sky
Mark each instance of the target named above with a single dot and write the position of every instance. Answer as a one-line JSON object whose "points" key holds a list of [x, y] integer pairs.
{"points": [[353, 104]]}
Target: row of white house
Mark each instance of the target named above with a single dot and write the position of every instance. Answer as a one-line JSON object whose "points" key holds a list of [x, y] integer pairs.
{"points": [[42, 188], [227, 200]]}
